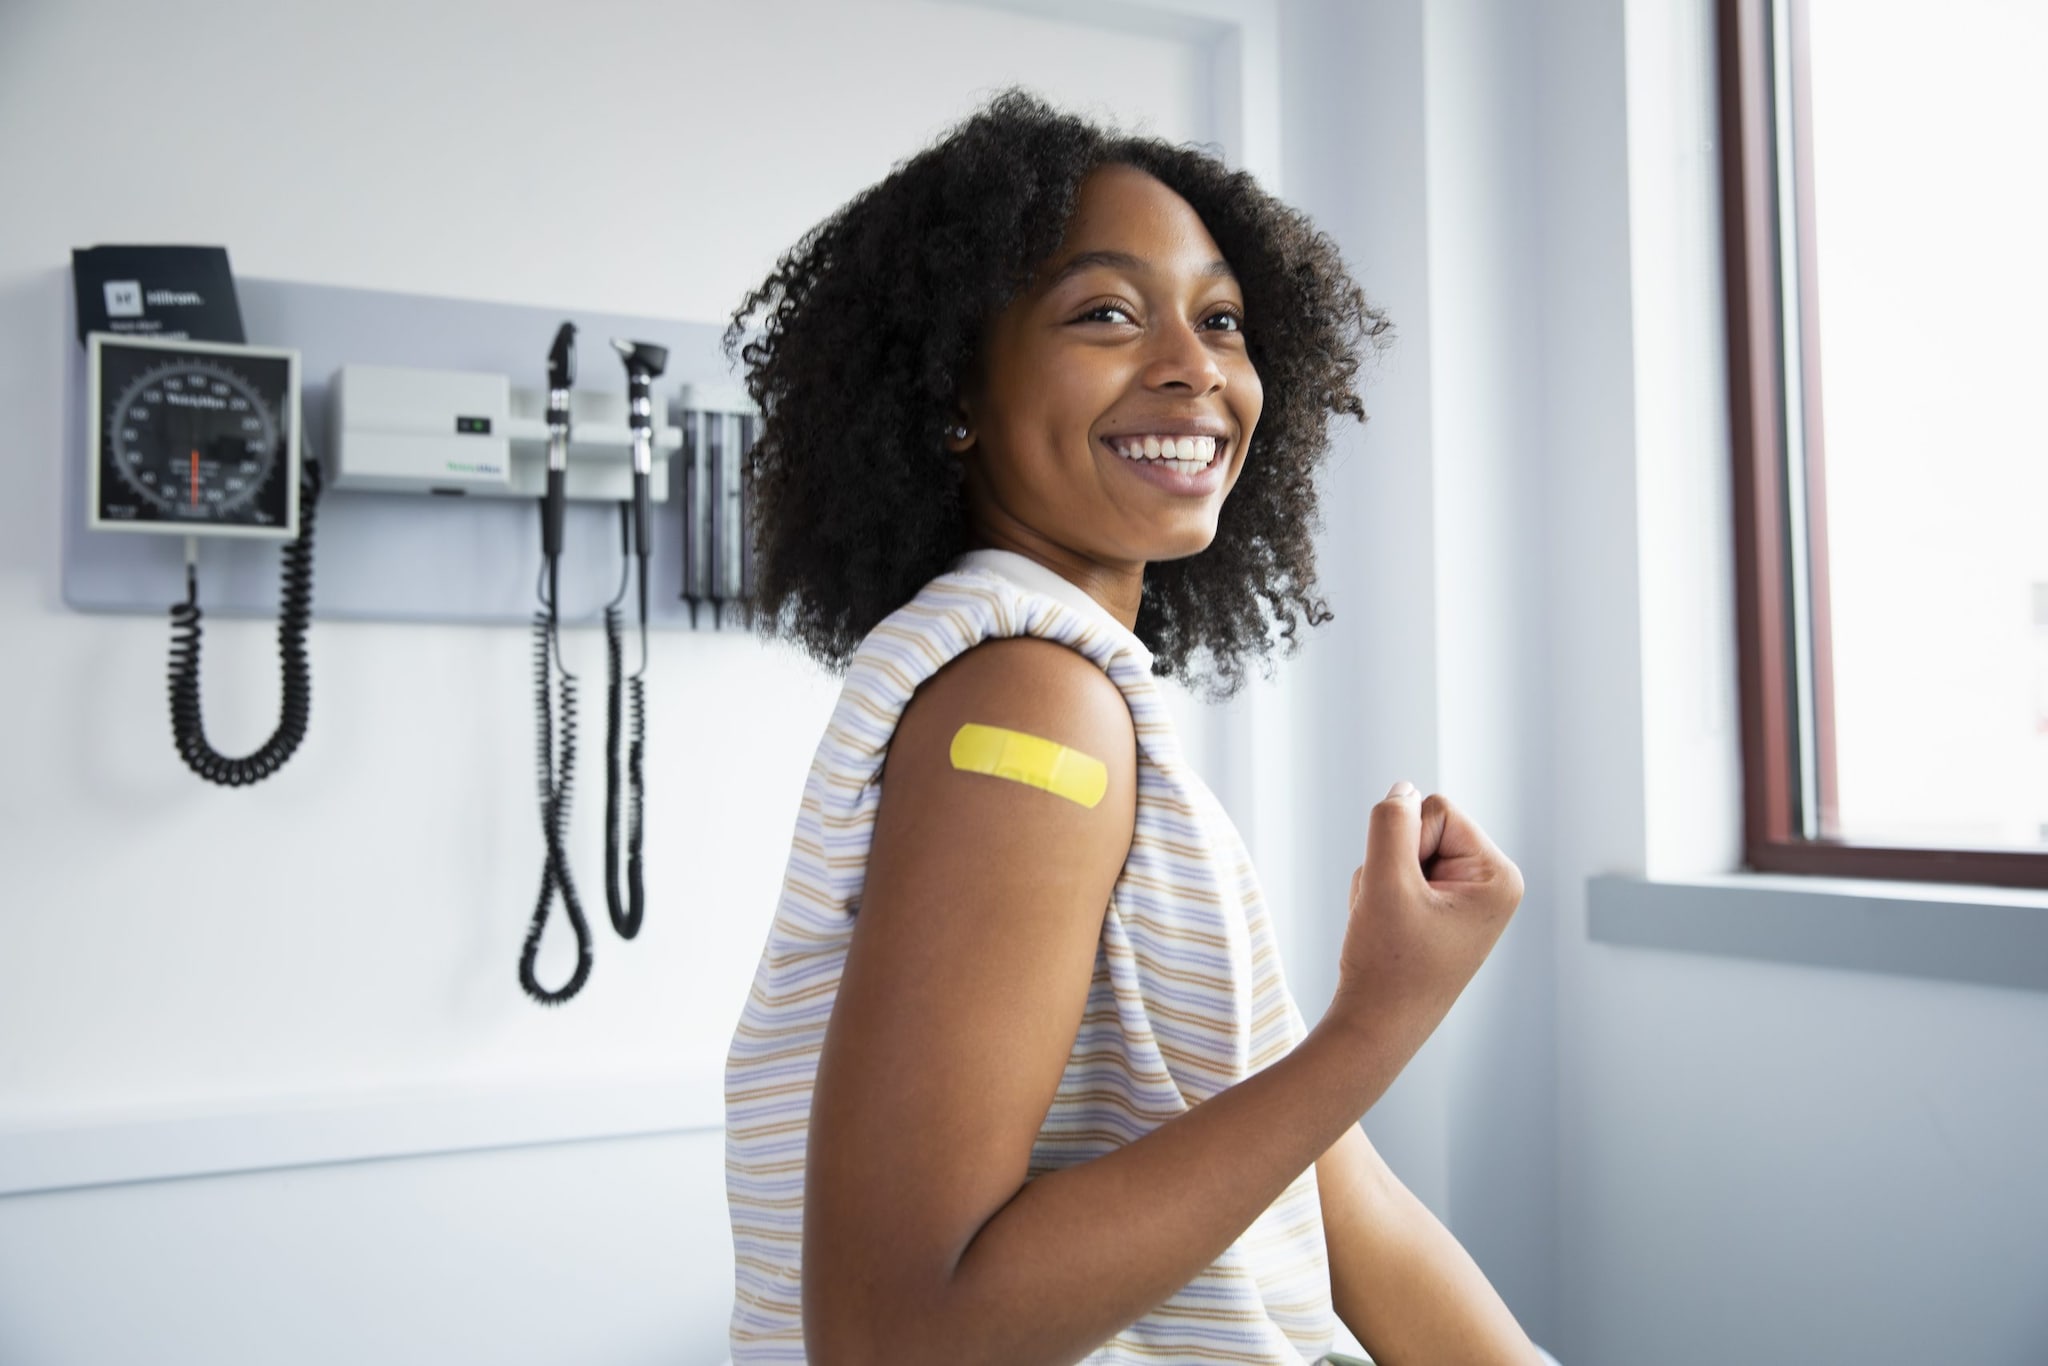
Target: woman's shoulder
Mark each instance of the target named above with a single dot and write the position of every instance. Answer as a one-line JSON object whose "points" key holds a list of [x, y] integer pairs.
{"points": [[1031, 678], [971, 639], [1022, 686], [1012, 750]]}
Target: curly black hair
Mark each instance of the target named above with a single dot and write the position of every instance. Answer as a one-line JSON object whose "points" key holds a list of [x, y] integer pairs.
{"points": [[873, 320]]}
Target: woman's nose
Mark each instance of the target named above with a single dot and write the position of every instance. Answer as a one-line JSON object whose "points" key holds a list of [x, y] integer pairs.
{"points": [[1180, 356]]}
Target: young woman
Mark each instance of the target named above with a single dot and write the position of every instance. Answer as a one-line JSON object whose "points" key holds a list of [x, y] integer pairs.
{"points": [[1019, 1079]]}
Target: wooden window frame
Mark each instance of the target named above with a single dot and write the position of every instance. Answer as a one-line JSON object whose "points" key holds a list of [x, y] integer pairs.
{"points": [[1790, 823]]}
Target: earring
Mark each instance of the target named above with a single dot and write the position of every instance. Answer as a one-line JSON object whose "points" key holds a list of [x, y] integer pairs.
{"points": [[959, 431]]}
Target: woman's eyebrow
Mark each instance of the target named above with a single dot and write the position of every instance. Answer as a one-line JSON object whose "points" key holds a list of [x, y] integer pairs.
{"points": [[1123, 260]]}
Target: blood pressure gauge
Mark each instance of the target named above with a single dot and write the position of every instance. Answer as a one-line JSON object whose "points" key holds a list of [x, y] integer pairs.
{"points": [[193, 438]]}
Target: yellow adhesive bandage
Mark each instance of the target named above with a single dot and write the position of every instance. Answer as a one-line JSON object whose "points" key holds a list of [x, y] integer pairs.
{"points": [[1029, 759]]}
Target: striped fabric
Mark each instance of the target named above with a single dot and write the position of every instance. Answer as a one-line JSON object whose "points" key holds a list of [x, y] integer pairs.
{"points": [[1187, 996]]}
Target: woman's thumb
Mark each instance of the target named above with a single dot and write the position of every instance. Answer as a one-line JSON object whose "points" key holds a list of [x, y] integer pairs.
{"points": [[1393, 840]]}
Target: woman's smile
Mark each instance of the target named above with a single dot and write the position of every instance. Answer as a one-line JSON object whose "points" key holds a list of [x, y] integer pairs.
{"points": [[1195, 466]]}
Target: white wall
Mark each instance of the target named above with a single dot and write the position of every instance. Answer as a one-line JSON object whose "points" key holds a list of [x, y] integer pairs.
{"points": [[1409, 138], [347, 933], [611, 1251]]}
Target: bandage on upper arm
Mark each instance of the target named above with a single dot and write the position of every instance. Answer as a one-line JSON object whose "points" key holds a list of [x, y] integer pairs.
{"points": [[1030, 759]]}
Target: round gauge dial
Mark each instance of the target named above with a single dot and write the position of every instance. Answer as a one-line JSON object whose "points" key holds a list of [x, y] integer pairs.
{"points": [[193, 438]]}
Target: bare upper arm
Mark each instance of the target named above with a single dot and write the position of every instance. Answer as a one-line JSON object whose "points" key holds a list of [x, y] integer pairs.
{"points": [[964, 982]]}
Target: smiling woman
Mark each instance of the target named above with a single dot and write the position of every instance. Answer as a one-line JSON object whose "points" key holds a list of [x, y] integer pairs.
{"points": [[1019, 1078]]}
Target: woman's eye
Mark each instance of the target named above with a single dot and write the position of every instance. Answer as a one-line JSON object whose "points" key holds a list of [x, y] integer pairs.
{"points": [[1236, 318], [1102, 308]]}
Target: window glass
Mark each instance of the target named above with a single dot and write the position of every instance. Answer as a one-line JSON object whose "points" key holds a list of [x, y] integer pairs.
{"points": [[1929, 179]]}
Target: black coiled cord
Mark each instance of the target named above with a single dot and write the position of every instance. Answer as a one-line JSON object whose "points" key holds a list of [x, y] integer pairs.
{"points": [[628, 913], [556, 768], [188, 727], [626, 916]]}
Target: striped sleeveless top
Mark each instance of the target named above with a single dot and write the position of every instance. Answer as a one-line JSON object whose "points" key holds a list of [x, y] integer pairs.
{"points": [[1187, 996]]}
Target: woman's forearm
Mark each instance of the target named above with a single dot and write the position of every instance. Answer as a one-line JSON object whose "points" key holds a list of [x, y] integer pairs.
{"points": [[1080, 1253], [1400, 1281]]}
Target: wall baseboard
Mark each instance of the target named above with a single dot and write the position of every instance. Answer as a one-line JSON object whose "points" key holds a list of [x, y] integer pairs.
{"points": [[305, 1131]]}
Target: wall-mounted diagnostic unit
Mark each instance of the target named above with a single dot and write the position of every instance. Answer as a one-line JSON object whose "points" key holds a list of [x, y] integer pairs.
{"points": [[209, 438]]}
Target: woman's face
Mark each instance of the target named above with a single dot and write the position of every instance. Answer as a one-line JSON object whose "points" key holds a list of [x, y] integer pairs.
{"points": [[1134, 328]]}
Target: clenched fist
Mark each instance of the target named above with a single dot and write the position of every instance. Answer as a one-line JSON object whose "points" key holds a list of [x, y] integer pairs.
{"points": [[1432, 896]]}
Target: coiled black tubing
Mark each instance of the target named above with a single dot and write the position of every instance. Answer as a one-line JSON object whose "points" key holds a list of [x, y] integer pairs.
{"points": [[188, 727], [556, 768], [626, 915]]}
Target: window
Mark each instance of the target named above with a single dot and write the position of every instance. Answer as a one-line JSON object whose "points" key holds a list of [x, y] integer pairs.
{"points": [[1884, 215]]}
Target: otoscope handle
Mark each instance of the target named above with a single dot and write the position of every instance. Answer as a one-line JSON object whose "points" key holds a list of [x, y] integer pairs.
{"points": [[643, 538], [561, 374], [551, 514]]}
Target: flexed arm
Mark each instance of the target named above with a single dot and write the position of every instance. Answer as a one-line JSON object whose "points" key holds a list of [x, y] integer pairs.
{"points": [[957, 1010]]}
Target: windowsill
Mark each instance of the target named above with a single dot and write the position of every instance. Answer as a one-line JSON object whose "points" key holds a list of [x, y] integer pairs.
{"points": [[1993, 936]]}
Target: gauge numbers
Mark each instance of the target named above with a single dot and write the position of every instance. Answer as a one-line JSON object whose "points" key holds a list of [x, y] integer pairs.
{"points": [[194, 438]]}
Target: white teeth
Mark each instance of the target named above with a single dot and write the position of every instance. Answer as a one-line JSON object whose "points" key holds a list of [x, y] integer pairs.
{"points": [[1192, 452]]}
